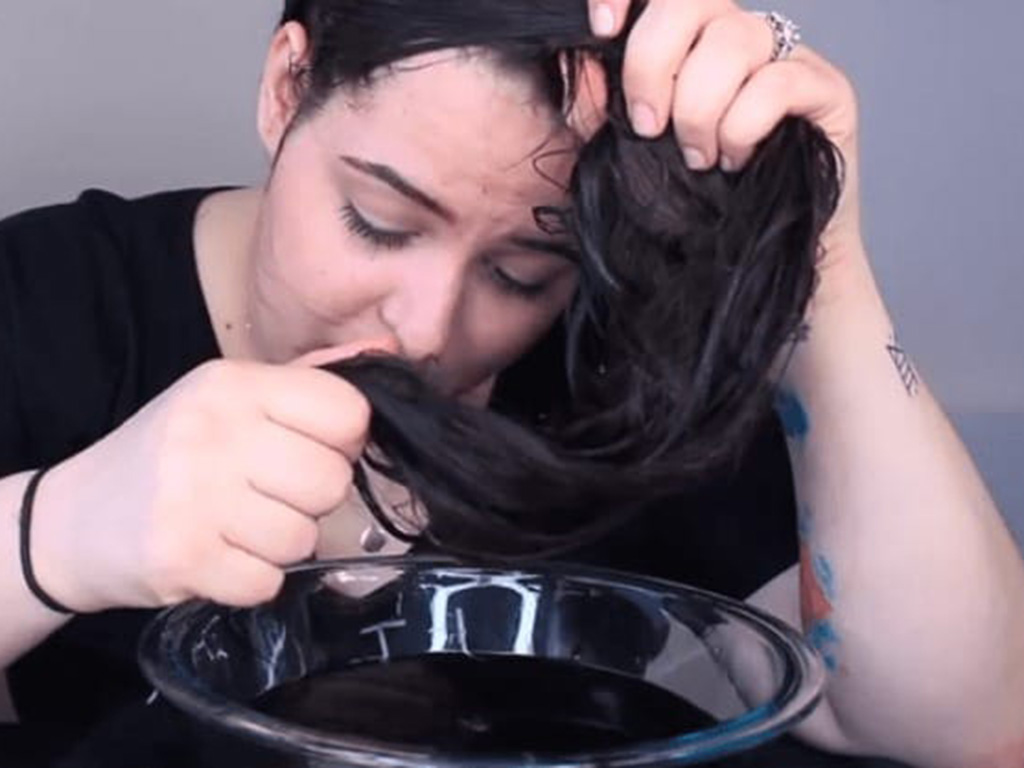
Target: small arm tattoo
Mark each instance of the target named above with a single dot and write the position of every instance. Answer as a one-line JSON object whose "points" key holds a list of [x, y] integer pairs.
{"points": [[823, 638], [818, 594], [792, 414], [904, 366]]}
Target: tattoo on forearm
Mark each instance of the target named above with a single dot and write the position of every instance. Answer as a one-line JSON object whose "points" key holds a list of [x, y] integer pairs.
{"points": [[792, 415], [817, 595], [904, 366], [823, 638]]}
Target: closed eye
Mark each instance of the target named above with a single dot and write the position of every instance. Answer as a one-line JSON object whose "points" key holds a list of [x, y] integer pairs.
{"points": [[516, 287], [376, 236]]}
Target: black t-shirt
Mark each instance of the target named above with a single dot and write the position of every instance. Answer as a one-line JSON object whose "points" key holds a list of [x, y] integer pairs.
{"points": [[101, 310]]}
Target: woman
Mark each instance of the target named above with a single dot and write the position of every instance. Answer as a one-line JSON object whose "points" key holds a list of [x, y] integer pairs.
{"points": [[162, 360]]}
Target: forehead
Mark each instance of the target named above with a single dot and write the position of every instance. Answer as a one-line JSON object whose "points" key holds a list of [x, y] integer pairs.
{"points": [[460, 122]]}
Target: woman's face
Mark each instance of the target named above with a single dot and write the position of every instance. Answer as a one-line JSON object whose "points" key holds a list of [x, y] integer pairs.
{"points": [[407, 211]]}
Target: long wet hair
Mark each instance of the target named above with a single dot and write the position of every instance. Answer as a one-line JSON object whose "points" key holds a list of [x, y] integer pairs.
{"points": [[691, 286]]}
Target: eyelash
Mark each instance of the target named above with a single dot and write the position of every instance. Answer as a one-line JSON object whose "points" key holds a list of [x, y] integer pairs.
{"points": [[380, 238], [393, 241], [516, 288]]}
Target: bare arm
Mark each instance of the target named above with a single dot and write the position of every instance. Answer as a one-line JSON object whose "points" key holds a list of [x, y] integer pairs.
{"points": [[911, 585], [194, 496]]}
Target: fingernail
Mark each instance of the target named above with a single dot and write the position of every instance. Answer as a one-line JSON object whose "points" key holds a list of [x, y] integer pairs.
{"points": [[695, 159], [727, 164], [603, 20], [645, 122]]}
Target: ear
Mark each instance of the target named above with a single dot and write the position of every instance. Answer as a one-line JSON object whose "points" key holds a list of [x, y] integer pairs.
{"points": [[280, 89], [589, 112]]}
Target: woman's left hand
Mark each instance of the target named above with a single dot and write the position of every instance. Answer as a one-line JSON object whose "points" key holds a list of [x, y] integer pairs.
{"points": [[706, 67]]}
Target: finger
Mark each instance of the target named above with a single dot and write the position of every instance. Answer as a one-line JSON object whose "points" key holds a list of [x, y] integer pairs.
{"points": [[271, 531], [238, 579], [290, 468], [804, 85], [657, 46], [730, 49], [607, 16], [386, 345], [318, 404]]}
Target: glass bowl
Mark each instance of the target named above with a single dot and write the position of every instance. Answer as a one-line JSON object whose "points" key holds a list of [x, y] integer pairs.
{"points": [[750, 674]]}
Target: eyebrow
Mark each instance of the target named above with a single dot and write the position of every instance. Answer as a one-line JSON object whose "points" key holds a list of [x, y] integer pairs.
{"points": [[397, 182]]}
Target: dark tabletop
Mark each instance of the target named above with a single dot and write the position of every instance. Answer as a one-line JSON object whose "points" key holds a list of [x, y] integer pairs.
{"points": [[151, 737]]}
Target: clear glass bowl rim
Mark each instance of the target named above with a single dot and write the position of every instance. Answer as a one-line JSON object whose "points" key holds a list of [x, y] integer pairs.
{"points": [[797, 696]]}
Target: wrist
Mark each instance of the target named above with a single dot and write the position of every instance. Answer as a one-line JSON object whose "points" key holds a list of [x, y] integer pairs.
{"points": [[25, 517], [845, 314], [52, 545]]}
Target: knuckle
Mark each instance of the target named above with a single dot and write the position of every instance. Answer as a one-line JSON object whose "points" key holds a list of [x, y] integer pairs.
{"points": [[649, 82], [727, 30], [196, 416], [360, 412], [733, 138], [331, 486], [695, 123], [776, 80], [217, 383], [646, 70], [353, 435], [344, 474], [845, 88], [217, 373], [337, 480]]}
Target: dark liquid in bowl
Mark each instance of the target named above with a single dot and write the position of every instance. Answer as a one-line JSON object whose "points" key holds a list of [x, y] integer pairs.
{"points": [[485, 704]]}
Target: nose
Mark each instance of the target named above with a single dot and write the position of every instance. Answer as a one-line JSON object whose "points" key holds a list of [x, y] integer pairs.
{"points": [[421, 311]]}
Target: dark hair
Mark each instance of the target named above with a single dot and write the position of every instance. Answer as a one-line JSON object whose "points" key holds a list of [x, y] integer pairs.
{"points": [[691, 286]]}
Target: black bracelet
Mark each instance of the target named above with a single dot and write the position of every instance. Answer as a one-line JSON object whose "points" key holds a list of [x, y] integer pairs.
{"points": [[26, 557]]}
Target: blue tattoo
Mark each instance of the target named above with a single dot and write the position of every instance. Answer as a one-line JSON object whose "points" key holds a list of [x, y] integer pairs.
{"points": [[823, 638], [804, 523], [826, 577], [795, 422]]}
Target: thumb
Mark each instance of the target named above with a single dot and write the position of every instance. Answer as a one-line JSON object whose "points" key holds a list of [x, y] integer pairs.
{"points": [[384, 345]]}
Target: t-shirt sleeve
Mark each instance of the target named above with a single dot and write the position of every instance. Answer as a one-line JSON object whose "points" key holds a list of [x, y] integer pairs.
{"points": [[63, 335], [13, 440]]}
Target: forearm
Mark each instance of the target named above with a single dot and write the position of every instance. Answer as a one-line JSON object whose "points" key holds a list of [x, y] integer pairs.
{"points": [[911, 584], [25, 621]]}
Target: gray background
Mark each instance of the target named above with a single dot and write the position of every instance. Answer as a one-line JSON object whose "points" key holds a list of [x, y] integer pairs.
{"points": [[139, 96]]}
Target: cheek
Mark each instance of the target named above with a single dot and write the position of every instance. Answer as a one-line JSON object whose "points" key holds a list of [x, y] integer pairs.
{"points": [[307, 258], [500, 331]]}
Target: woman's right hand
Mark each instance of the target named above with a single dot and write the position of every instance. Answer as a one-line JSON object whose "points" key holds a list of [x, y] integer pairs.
{"points": [[209, 491]]}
